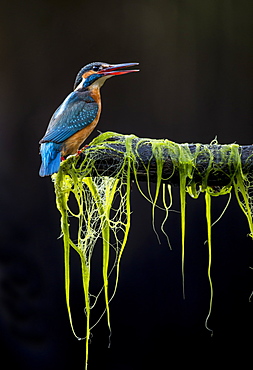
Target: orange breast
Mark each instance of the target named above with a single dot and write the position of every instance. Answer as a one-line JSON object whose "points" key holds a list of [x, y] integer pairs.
{"points": [[72, 144]]}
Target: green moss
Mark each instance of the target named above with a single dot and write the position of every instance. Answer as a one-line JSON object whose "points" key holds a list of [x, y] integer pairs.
{"points": [[209, 241], [99, 217]]}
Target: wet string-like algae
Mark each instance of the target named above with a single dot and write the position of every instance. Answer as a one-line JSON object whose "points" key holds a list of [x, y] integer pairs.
{"points": [[105, 171]]}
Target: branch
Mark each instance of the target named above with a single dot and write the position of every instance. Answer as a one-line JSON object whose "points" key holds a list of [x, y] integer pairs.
{"points": [[214, 162]]}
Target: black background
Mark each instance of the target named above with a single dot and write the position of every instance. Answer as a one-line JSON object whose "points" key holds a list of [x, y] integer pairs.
{"points": [[195, 83]]}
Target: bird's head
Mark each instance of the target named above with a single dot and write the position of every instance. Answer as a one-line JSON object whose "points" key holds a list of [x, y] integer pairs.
{"points": [[97, 72]]}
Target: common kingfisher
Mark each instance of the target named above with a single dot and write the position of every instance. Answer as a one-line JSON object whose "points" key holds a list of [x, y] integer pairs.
{"points": [[78, 115]]}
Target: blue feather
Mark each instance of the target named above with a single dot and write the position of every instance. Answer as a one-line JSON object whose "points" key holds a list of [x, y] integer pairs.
{"points": [[51, 158], [76, 112]]}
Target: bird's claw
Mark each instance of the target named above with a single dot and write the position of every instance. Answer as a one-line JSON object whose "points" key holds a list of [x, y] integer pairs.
{"points": [[81, 150]]}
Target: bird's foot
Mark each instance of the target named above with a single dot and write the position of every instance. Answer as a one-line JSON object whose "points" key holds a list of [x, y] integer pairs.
{"points": [[81, 150]]}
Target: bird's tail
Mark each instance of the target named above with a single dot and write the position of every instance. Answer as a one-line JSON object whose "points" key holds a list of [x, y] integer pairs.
{"points": [[51, 158]]}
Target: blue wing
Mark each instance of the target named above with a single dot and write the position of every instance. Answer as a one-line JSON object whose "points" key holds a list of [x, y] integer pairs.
{"points": [[77, 111]]}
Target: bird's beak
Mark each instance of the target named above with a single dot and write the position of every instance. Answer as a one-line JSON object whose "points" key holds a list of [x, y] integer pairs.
{"points": [[113, 69]]}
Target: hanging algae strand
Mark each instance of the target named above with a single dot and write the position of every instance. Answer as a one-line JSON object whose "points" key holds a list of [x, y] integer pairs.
{"points": [[99, 216], [94, 197]]}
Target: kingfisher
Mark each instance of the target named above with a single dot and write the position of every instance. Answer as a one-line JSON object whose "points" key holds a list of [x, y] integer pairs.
{"points": [[77, 116]]}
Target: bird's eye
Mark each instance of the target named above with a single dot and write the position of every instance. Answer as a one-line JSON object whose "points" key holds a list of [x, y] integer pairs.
{"points": [[96, 68]]}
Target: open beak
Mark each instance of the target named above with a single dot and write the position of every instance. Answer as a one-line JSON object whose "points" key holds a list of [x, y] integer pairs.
{"points": [[113, 69]]}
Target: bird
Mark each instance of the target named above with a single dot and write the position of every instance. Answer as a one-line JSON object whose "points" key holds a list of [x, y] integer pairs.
{"points": [[77, 116]]}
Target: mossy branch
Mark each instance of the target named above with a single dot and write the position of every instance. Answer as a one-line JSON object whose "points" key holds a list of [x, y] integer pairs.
{"points": [[102, 173], [213, 162]]}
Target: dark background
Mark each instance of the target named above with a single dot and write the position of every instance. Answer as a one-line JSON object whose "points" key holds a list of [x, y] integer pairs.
{"points": [[195, 83]]}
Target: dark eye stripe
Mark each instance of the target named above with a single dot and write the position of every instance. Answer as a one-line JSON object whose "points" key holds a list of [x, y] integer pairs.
{"points": [[96, 68]]}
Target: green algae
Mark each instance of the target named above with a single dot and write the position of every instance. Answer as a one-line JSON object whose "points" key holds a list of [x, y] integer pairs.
{"points": [[99, 217]]}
